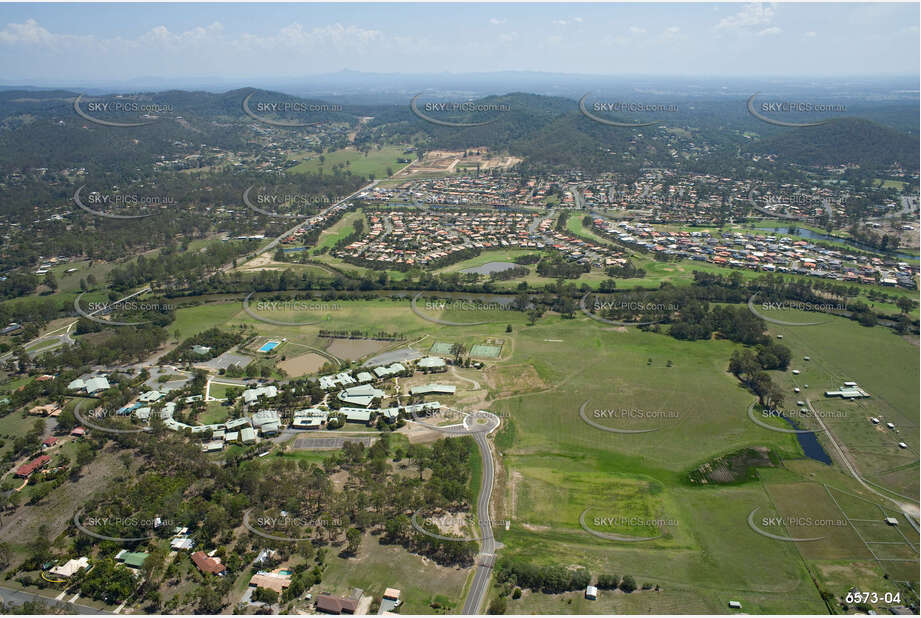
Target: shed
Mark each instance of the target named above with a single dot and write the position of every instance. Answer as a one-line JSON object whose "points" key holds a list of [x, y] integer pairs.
{"points": [[392, 594]]}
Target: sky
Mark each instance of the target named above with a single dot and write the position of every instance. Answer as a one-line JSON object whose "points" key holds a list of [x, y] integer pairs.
{"points": [[82, 43]]}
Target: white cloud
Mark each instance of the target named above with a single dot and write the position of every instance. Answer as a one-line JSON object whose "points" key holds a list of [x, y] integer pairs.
{"points": [[294, 36], [770, 31], [33, 34], [637, 30], [810, 34], [495, 21], [752, 15]]}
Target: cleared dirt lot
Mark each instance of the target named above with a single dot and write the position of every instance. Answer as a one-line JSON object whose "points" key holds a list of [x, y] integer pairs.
{"points": [[353, 349], [304, 364]]}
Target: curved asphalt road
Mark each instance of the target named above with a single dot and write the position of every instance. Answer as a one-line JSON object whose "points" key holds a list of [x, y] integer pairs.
{"points": [[486, 559]]}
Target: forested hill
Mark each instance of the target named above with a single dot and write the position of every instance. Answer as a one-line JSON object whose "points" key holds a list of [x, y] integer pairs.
{"points": [[709, 135], [546, 131], [847, 140], [41, 128]]}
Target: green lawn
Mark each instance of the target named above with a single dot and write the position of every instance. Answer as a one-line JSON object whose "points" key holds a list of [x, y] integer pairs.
{"points": [[193, 320], [340, 229], [214, 413], [380, 566], [375, 162]]}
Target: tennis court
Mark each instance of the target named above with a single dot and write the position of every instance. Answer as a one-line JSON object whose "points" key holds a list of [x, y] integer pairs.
{"points": [[440, 348], [485, 350]]}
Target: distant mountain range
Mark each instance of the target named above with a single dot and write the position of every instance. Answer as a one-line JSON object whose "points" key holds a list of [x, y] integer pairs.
{"points": [[547, 131], [395, 87]]}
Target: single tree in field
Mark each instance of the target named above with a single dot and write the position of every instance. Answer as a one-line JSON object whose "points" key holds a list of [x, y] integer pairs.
{"points": [[354, 538]]}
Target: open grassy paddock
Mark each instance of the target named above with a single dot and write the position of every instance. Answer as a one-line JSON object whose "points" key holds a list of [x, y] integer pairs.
{"points": [[375, 162], [555, 465]]}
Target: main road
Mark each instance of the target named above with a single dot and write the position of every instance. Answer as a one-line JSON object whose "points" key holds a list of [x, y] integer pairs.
{"points": [[277, 240], [11, 596], [479, 425], [486, 559]]}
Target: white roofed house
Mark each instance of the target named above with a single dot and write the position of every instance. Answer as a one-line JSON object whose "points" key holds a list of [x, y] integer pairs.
{"points": [[433, 389], [432, 363], [425, 409], [237, 424], [327, 383], [391, 415], [98, 384], [247, 435], [390, 370], [212, 446], [142, 414], [69, 568], [362, 395], [151, 396], [357, 415], [310, 418], [267, 422], [344, 378], [168, 409], [251, 395], [95, 385]]}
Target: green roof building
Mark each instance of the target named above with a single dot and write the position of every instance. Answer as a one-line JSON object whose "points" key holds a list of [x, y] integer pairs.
{"points": [[133, 559]]}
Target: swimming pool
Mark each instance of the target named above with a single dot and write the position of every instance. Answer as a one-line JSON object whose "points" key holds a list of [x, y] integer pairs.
{"points": [[268, 346]]}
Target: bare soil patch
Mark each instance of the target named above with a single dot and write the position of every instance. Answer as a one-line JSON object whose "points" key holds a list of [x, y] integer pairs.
{"points": [[302, 365], [353, 349]]}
